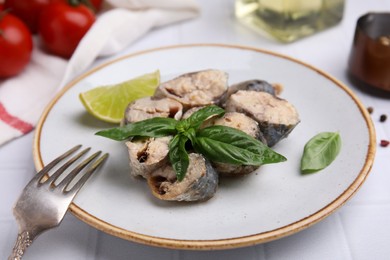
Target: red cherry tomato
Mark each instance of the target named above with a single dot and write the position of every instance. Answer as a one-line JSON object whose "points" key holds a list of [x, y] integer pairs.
{"points": [[61, 27], [15, 45], [27, 10]]}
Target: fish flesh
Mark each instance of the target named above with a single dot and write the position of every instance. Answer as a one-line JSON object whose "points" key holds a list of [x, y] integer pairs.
{"points": [[195, 89], [251, 85], [147, 154], [246, 124], [199, 184], [145, 108], [239, 121], [276, 116]]}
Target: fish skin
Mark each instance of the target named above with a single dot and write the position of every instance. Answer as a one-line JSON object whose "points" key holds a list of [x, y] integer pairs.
{"points": [[200, 188], [276, 132]]}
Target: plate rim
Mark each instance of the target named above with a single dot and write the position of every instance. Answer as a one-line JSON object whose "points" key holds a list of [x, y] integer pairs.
{"points": [[227, 243]]}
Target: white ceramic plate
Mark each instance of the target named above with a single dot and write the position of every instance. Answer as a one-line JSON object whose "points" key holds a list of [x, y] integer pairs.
{"points": [[271, 203]]}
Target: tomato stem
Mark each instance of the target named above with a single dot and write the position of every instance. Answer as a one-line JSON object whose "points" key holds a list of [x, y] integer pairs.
{"points": [[87, 3], [74, 2], [4, 12]]}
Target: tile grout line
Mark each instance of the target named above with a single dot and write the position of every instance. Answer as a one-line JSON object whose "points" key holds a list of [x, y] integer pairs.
{"points": [[92, 244], [176, 255], [339, 220], [261, 252]]}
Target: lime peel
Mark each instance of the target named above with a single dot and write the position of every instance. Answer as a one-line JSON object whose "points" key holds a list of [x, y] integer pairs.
{"points": [[108, 103]]}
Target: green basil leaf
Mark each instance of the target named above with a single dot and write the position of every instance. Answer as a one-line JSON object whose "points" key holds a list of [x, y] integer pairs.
{"points": [[182, 126], [229, 145], [320, 151], [197, 118], [178, 155], [191, 134], [152, 127]]}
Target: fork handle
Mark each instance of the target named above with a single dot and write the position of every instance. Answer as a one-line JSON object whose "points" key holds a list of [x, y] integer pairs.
{"points": [[23, 241]]}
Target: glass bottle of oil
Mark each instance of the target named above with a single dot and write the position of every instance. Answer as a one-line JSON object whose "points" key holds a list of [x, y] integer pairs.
{"points": [[289, 20]]}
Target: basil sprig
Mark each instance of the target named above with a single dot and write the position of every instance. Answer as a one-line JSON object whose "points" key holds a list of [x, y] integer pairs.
{"points": [[320, 151], [217, 143]]}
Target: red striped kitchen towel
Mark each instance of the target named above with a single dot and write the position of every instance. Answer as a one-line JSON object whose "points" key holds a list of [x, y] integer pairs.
{"points": [[23, 98]]}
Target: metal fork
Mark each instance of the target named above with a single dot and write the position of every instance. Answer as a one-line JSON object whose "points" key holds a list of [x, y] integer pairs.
{"points": [[43, 204]]}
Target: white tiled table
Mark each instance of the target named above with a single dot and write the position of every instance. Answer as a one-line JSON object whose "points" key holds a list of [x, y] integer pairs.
{"points": [[359, 230]]}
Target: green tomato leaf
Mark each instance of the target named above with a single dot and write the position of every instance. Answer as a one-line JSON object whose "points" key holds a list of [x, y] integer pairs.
{"points": [[197, 118], [229, 145], [320, 151], [178, 155], [152, 127]]}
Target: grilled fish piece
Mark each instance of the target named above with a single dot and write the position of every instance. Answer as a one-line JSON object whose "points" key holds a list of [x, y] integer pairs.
{"points": [[195, 89], [246, 124], [148, 107], [251, 85], [147, 154], [199, 184], [276, 116]]}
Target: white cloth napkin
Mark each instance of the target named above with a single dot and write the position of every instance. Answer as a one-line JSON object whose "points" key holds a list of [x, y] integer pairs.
{"points": [[24, 97]]}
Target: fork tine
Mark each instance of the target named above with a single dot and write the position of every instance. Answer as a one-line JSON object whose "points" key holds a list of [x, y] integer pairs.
{"points": [[65, 182], [87, 174], [38, 177], [57, 174]]}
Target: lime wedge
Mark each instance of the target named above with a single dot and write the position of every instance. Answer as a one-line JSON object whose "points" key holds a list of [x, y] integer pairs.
{"points": [[108, 103]]}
